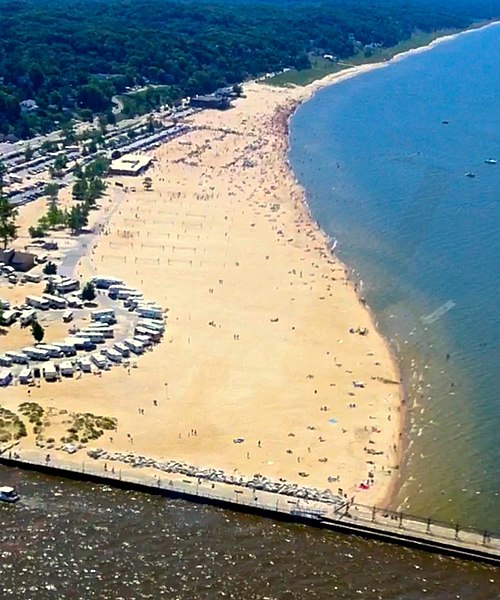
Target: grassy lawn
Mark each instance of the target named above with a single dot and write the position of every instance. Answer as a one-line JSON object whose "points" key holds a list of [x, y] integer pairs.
{"points": [[322, 67]]}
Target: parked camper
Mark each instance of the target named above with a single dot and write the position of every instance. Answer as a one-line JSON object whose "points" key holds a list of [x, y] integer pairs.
{"points": [[36, 353], [67, 348], [94, 335], [33, 277], [55, 301], [37, 302], [144, 339], [154, 335], [5, 377], [113, 355], [82, 343], [131, 304], [99, 360], [103, 315], [106, 330], [66, 368], [5, 361], [74, 301], [25, 376], [150, 312], [67, 285], [122, 349], [126, 293], [67, 316], [27, 317], [8, 317], [84, 364], [53, 350], [103, 283], [135, 346], [18, 358], [50, 372], [115, 289], [151, 324]]}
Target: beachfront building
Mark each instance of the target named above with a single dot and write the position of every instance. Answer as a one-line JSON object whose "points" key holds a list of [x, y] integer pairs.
{"points": [[212, 101], [19, 261], [130, 164]]}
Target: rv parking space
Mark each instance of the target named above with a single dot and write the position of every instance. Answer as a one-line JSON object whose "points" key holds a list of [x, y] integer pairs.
{"points": [[119, 326]]}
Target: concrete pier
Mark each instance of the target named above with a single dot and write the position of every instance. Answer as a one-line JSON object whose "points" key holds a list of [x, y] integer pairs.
{"points": [[347, 517]]}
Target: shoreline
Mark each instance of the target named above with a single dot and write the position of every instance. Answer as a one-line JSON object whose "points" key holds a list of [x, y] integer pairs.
{"points": [[311, 89], [209, 380], [398, 437]]}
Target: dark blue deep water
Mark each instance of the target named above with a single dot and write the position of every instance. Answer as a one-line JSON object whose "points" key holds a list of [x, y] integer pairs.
{"points": [[383, 158]]}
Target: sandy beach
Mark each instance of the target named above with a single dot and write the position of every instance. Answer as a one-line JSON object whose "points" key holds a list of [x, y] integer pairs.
{"points": [[258, 371]]}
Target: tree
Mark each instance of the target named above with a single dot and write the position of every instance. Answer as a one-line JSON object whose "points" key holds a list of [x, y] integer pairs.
{"points": [[50, 288], [28, 152], [77, 218], [37, 331], [147, 183], [8, 227], [36, 232], [50, 268], [98, 167], [3, 171], [51, 190], [88, 292], [79, 190]]}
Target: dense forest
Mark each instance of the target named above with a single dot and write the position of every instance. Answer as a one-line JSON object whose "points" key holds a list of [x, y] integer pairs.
{"points": [[72, 56]]}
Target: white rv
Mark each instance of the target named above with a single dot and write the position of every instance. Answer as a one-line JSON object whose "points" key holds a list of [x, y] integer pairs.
{"points": [[154, 335], [25, 376], [5, 361], [122, 349], [36, 353], [84, 364], [50, 372], [38, 302], [150, 312], [55, 301], [18, 358], [103, 283], [5, 377], [135, 346], [67, 368], [103, 315], [53, 350], [99, 360], [113, 355]]}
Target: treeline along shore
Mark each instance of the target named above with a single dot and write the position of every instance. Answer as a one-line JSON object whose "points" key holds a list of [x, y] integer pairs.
{"points": [[64, 60]]}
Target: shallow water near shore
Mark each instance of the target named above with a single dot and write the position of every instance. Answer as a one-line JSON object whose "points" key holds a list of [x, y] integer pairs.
{"points": [[383, 158]]}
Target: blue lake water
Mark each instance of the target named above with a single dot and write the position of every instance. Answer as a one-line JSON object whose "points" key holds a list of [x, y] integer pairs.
{"points": [[383, 158]]}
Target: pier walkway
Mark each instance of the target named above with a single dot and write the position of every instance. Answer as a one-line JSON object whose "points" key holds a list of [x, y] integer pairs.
{"points": [[351, 518]]}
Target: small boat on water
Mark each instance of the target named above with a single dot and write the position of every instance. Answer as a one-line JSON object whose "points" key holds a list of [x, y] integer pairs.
{"points": [[470, 175], [490, 161], [8, 494]]}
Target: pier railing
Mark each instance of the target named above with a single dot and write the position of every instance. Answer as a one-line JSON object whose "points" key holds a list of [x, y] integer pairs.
{"points": [[405, 522], [390, 525]]}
